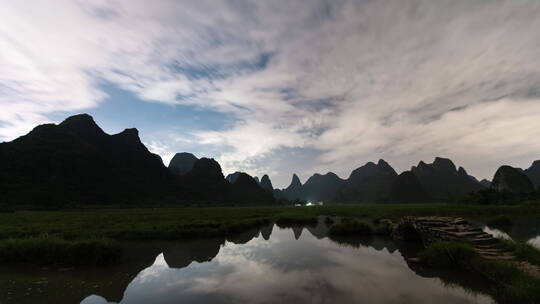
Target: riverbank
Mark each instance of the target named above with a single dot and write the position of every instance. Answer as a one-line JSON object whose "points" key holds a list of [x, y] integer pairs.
{"points": [[180, 223], [507, 282]]}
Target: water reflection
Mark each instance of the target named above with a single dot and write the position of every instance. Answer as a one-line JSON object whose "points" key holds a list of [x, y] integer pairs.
{"points": [[290, 265], [266, 265], [522, 229]]}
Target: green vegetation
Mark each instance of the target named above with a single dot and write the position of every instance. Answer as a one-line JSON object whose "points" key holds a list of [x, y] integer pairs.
{"points": [[178, 223], [328, 221], [493, 197], [351, 227], [449, 255], [295, 220], [508, 284], [73, 226], [522, 251], [47, 249]]}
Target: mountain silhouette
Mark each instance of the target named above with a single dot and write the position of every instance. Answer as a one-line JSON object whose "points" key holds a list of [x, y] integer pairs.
{"points": [[266, 184], [245, 189], [442, 180], [406, 188], [182, 163], [293, 191], [77, 163], [512, 180], [321, 187], [231, 178], [533, 172], [486, 183], [370, 183]]}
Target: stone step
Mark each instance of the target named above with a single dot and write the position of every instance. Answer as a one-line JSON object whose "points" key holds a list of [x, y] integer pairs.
{"points": [[493, 252], [484, 240], [501, 257], [489, 246], [469, 234], [434, 224], [462, 228]]}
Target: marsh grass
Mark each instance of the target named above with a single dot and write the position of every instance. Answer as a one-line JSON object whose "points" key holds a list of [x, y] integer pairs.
{"points": [[449, 255], [178, 223], [351, 227], [287, 221], [508, 284], [522, 250], [48, 249]]}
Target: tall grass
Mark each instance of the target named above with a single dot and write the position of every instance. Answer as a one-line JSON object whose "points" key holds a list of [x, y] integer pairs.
{"points": [[449, 255], [508, 284], [351, 227], [522, 250], [177, 223], [48, 249]]}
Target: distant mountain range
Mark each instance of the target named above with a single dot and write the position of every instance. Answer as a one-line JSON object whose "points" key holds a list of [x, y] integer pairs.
{"points": [[439, 181], [76, 163]]}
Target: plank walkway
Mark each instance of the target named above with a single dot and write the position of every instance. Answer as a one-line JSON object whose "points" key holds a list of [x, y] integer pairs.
{"points": [[431, 229]]}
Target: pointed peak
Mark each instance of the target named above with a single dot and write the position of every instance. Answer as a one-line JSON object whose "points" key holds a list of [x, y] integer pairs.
{"points": [[535, 165], [266, 183], [295, 182], [382, 162], [370, 164], [461, 171]]}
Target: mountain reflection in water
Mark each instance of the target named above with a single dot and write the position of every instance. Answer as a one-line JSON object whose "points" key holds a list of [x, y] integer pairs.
{"points": [[290, 265], [266, 265]]}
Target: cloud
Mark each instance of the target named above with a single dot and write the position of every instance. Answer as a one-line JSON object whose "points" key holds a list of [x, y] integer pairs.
{"points": [[352, 80]]}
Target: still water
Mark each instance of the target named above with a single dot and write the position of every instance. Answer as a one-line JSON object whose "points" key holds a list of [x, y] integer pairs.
{"points": [[268, 265]]}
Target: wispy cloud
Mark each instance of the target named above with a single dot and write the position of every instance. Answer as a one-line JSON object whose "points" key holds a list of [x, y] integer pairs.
{"points": [[352, 80]]}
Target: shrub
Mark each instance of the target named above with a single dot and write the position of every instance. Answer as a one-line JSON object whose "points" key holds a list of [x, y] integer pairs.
{"points": [[351, 228], [290, 221], [328, 221]]}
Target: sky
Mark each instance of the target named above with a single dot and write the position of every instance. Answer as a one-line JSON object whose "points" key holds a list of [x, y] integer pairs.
{"points": [[282, 87]]}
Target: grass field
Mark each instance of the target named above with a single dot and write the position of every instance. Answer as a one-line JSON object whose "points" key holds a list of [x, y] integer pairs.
{"points": [[178, 223]]}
